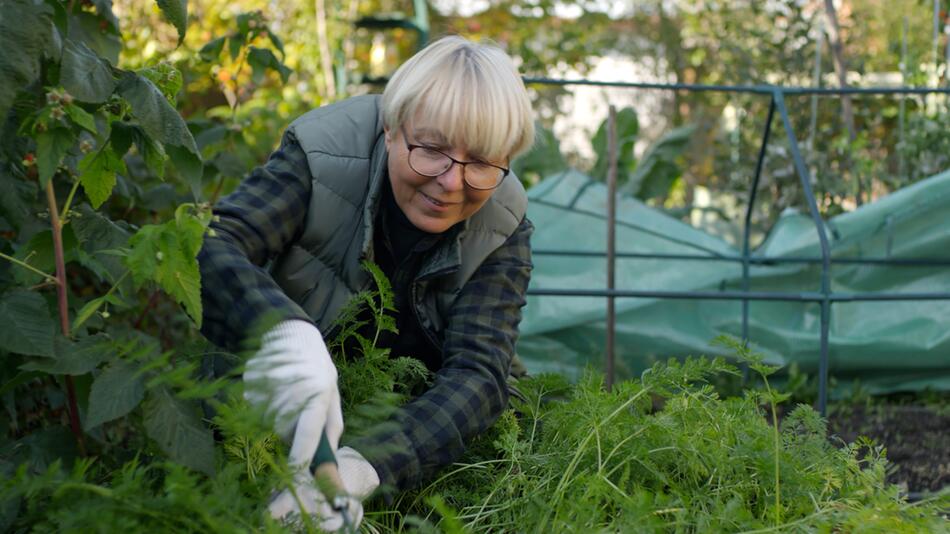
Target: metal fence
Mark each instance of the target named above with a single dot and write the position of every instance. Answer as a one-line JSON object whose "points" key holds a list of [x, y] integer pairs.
{"points": [[825, 296]]}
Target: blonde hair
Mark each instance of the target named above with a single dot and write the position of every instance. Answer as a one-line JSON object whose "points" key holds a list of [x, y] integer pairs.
{"points": [[470, 92]]}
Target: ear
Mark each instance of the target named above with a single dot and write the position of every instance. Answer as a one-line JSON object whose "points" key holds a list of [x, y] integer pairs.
{"points": [[387, 133]]}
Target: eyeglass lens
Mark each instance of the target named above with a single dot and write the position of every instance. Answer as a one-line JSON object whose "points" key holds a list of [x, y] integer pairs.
{"points": [[431, 162]]}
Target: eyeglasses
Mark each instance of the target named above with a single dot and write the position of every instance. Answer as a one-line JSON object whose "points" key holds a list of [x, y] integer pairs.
{"points": [[431, 162]]}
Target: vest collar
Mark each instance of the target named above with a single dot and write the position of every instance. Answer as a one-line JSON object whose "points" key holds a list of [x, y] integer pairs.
{"points": [[378, 162]]}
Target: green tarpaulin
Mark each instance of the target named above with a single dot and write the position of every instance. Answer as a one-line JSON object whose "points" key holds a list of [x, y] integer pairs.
{"points": [[887, 346]]}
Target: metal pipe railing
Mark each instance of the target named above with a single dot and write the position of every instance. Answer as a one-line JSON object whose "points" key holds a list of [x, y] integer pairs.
{"points": [[826, 296]]}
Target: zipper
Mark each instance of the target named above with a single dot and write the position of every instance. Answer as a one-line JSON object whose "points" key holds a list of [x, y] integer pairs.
{"points": [[415, 310]]}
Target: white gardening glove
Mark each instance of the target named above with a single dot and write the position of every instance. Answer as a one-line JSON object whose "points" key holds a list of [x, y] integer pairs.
{"points": [[293, 373], [359, 480], [345, 511], [359, 477], [293, 376]]}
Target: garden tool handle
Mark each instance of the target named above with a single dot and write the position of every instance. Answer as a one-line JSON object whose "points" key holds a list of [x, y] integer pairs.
{"points": [[325, 470], [326, 474]]}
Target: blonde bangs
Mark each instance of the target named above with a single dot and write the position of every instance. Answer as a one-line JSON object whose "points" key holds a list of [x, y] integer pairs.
{"points": [[470, 93]]}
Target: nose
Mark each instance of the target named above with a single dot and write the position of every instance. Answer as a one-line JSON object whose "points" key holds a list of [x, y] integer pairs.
{"points": [[452, 179]]}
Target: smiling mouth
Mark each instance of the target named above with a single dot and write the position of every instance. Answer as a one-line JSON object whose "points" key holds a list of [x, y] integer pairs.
{"points": [[438, 203]]}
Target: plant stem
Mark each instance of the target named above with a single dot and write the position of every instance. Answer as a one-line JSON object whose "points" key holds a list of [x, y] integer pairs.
{"points": [[63, 305], [69, 200], [152, 299], [217, 190], [778, 492], [237, 72], [25, 265]]}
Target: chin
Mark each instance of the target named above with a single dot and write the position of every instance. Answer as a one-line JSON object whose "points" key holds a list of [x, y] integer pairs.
{"points": [[431, 225]]}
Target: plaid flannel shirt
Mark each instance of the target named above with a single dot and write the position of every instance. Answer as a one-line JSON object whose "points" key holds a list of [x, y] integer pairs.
{"points": [[266, 214]]}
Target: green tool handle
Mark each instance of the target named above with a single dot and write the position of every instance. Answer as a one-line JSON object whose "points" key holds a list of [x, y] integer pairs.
{"points": [[325, 471]]}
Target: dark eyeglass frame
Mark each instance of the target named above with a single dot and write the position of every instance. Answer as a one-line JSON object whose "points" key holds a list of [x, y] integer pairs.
{"points": [[411, 147]]}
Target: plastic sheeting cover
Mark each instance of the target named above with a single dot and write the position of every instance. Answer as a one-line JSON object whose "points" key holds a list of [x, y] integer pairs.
{"points": [[887, 346]]}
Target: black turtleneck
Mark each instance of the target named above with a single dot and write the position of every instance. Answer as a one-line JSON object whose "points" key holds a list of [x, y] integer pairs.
{"points": [[400, 249]]}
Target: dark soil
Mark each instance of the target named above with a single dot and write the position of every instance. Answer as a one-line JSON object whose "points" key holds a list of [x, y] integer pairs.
{"points": [[917, 439]]}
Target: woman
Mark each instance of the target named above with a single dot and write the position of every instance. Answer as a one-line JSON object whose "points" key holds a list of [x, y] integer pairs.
{"points": [[417, 181]]}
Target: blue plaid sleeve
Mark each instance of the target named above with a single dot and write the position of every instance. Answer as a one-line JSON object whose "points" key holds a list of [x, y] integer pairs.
{"points": [[470, 390], [253, 224]]}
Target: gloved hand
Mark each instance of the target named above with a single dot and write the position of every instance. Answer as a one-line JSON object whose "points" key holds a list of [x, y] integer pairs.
{"points": [[358, 475], [294, 377], [291, 374], [358, 479], [344, 511]]}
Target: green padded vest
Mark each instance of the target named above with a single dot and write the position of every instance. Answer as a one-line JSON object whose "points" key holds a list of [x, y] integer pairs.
{"points": [[347, 156]]}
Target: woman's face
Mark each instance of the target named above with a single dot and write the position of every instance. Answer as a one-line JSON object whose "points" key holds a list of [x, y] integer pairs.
{"points": [[432, 204]]}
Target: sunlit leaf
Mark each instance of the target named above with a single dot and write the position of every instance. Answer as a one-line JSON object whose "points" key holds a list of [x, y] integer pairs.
{"points": [[97, 174], [166, 254], [166, 77], [82, 118]]}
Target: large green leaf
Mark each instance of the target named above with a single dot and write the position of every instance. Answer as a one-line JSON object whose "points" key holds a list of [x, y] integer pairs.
{"points": [[115, 392], [51, 146], [659, 167], [84, 74], [99, 238], [628, 127], [152, 152], [176, 11], [156, 116], [25, 29], [190, 167], [178, 430], [543, 160], [97, 174], [17, 197], [166, 253], [88, 28], [26, 326], [73, 357]]}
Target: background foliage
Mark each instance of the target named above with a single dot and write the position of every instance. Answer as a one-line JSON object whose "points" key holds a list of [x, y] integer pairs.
{"points": [[123, 121]]}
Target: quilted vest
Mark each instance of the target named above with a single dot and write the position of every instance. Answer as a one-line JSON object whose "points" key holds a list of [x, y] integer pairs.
{"points": [[347, 156]]}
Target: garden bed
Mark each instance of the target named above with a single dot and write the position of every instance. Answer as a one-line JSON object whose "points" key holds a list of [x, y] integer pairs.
{"points": [[917, 439]]}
